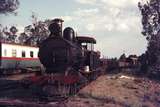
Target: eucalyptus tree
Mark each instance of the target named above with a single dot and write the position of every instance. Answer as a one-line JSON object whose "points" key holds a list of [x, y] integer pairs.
{"points": [[150, 11]]}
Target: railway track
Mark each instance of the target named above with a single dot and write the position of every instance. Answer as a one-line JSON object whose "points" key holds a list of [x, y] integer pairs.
{"points": [[17, 76], [14, 89], [8, 85], [19, 103]]}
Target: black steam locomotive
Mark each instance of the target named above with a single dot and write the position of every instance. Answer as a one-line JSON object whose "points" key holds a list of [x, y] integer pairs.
{"points": [[70, 61], [63, 51]]}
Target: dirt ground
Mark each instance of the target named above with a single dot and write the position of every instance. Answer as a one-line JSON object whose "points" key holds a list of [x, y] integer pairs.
{"points": [[118, 91], [108, 91]]}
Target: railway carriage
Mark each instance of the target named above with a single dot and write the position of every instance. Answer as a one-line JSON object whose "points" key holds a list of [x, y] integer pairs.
{"points": [[16, 56]]}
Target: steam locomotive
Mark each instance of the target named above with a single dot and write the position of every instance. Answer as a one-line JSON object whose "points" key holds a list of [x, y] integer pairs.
{"points": [[70, 61], [63, 51]]}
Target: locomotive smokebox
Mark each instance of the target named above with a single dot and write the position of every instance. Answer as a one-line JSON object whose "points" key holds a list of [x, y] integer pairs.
{"points": [[55, 27]]}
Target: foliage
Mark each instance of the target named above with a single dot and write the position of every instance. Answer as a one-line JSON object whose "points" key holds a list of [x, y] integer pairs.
{"points": [[32, 35], [144, 63], [150, 12], [122, 57], [35, 33], [8, 6], [8, 34]]}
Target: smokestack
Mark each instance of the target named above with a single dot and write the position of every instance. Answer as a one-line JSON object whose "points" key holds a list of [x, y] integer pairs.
{"points": [[56, 27]]}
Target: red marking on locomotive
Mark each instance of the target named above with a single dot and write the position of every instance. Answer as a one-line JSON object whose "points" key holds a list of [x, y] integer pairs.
{"points": [[70, 79], [40, 80]]}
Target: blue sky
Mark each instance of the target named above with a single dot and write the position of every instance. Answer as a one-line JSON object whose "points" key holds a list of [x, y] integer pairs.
{"points": [[116, 24]]}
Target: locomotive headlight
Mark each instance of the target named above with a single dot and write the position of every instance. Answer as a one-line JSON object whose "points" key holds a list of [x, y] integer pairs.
{"points": [[86, 69]]}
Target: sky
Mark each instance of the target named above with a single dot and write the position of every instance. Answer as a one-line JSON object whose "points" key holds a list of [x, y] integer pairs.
{"points": [[116, 24]]}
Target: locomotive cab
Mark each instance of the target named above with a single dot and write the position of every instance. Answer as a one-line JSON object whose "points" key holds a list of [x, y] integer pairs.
{"points": [[86, 43], [91, 57]]}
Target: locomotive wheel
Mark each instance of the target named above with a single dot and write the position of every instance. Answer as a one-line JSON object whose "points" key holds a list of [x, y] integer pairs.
{"points": [[60, 85], [60, 90]]}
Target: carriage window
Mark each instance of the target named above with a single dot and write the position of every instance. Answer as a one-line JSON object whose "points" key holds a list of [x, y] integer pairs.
{"points": [[23, 54], [14, 53], [5, 52], [31, 54]]}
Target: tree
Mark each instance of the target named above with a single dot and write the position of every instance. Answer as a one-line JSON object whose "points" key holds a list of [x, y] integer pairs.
{"points": [[8, 34], [1, 33], [122, 57], [150, 12], [5, 34], [12, 37], [35, 33], [8, 6], [144, 63], [13, 30], [23, 37]]}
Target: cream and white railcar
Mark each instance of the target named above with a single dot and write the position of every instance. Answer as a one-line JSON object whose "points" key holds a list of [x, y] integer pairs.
{"points": [[15, 56]]}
